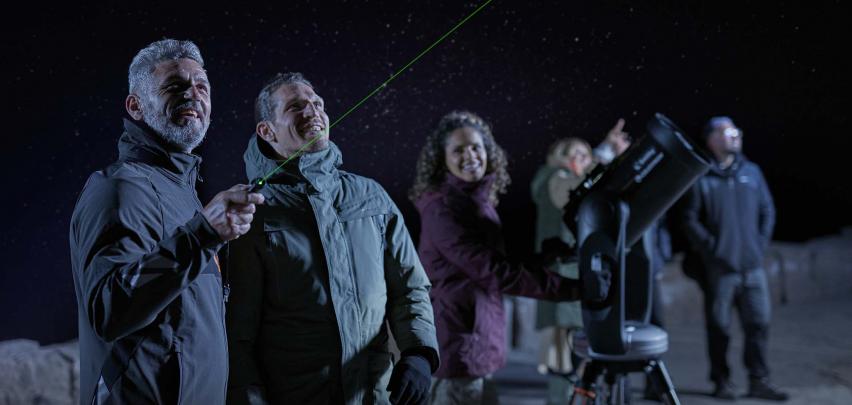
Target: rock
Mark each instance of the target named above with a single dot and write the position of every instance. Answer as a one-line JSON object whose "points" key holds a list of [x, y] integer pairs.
{"points": [[33, 374]]}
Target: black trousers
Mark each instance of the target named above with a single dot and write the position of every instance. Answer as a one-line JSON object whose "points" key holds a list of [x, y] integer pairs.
{"points": [[748, 293], [657, 309]]}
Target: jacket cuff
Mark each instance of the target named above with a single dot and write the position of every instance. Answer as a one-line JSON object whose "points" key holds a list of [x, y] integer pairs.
{"points": [[426, 352], [203, 231]]}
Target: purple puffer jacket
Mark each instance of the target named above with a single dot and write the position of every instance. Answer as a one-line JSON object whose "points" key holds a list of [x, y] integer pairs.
{"points": [[461, 247]]}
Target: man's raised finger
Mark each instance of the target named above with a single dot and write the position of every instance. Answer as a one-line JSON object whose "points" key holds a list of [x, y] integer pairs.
{"points": [[239, 187], [243, 197]]}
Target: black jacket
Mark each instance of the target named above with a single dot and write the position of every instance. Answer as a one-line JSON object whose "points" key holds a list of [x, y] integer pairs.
{"points": [[728, 217], [149, 292]]}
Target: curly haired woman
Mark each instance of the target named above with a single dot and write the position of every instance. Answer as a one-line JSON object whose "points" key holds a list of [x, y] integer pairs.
{"points": [[460, 173]]}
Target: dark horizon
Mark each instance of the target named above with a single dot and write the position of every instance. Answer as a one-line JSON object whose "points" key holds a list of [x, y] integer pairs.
{"points": [[537, 71]]}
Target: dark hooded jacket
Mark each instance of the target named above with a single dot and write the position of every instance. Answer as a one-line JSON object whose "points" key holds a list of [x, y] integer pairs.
{"points": [[149, 290], [462, 249], [326, 271], [728, 217]]}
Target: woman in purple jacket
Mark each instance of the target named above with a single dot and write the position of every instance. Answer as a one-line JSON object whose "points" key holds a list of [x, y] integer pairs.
{"points": [[460, 172]]}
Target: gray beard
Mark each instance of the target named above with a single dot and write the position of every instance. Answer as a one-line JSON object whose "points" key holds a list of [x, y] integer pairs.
{"points": [[185, 138]]}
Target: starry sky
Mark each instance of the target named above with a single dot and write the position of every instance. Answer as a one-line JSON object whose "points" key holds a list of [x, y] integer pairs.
{"points": [[536, 70]]}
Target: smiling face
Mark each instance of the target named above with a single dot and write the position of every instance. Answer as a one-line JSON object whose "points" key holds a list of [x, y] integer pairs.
{"points": [[177, 103], [299, 118], [465, 155]]}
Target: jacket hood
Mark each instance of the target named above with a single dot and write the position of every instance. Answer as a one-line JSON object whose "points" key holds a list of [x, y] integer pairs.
{"points": [[138, 143], [730, 170], [318, 168]]}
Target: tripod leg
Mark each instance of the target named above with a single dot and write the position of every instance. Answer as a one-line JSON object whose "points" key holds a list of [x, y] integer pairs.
{"points": [[585, 392], [662, 382], [592, 371], [617, 388], [584, 396]]}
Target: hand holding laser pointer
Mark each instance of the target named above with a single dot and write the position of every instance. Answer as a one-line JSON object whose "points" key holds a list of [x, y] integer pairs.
{"points": [[231, 211]]}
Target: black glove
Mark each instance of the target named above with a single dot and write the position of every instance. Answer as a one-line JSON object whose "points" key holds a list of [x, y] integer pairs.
{"points": [[410, 381], [553, 250]]}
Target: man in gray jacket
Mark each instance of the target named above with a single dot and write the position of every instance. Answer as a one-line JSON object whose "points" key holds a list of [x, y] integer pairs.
{"points": [[143, 249], [328, 264]]}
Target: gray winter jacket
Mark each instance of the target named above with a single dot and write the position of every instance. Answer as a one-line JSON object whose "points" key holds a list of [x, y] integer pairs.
{"points": [[328, 263]]}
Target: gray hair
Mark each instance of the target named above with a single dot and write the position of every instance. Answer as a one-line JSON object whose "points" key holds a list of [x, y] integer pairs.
{"points": [[264, 109], [142, 68]]}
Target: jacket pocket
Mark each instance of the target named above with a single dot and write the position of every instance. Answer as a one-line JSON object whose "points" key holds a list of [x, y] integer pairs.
{"points": [[380, 366], [289, 250], [365, 234]]}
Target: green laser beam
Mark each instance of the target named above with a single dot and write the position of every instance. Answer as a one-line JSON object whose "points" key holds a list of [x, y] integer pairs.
{"points": [[377, 89], [413, 61]]}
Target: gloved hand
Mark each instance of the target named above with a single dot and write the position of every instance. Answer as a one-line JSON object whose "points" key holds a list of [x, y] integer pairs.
{"points": [[554, 250], [410, 381]]}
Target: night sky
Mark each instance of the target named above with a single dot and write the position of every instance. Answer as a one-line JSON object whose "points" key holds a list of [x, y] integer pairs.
{"points": [[536, 70]]}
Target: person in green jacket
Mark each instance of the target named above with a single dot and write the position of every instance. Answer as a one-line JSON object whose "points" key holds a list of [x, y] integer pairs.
{"points": [[327, 272], [567, 163], [569, 160]]}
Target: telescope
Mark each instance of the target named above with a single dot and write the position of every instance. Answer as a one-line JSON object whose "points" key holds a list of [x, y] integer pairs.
{"points": [[609, 212]]}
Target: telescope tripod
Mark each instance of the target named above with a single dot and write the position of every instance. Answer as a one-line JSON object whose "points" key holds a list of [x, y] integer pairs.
{"points": [[614, 389]]}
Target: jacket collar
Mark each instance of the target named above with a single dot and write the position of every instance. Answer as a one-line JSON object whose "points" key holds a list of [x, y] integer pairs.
{"points": [[478, 190], [730, 170], [139, 143], [318, 169], [454, 188]]}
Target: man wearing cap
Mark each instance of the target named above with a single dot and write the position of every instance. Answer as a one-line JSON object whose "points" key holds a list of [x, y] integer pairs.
{"points": [[728, 218]]}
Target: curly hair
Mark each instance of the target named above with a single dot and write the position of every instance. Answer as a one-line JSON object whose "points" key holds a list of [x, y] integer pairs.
{"points": [[432, 167]]}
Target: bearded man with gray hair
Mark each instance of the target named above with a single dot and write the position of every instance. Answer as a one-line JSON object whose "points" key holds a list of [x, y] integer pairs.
{"points": [[149, 291]]}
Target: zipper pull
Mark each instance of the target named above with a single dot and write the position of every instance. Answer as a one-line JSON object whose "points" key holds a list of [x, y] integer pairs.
{"points": [[226, 282]]}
